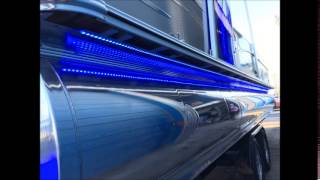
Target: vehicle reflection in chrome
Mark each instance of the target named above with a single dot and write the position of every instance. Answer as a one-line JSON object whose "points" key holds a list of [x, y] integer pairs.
{"points": [[234, 110], [254, 107]]}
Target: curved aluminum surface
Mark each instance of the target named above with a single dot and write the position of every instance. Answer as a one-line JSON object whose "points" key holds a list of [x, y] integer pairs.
{"points": [[114, 129], [49, 145], [68, 157], [109, 131]]}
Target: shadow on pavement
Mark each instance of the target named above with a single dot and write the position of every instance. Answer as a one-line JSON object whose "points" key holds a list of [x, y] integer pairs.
{"points": [[230, 172]]}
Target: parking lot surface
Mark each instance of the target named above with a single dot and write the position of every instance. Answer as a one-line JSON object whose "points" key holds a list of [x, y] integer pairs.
{"points": [[272, 127]]}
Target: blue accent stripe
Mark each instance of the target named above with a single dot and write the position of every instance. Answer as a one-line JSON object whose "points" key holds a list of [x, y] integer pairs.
{"points": [[49, 170], [224, 37], [127, 62]]}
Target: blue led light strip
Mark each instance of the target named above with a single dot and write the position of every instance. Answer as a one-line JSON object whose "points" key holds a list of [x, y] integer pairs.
{"points": [[135, 76], [151, 64], [91, 35], [94, 69], [89, 69]]}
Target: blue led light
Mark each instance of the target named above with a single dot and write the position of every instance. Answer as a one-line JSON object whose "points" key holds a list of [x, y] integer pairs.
{"points": [[133, 77], [136, 60], [113, 74]]}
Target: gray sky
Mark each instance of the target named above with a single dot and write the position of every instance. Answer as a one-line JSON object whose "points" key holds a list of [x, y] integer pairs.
{"points": [[264, 16]]}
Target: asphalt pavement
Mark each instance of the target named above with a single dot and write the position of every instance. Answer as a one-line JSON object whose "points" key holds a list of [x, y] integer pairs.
{"points": [[272, 127]]}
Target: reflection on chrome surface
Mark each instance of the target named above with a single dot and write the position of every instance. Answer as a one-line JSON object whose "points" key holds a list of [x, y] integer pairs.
{"points": [[116, 131], [49, 146]]}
